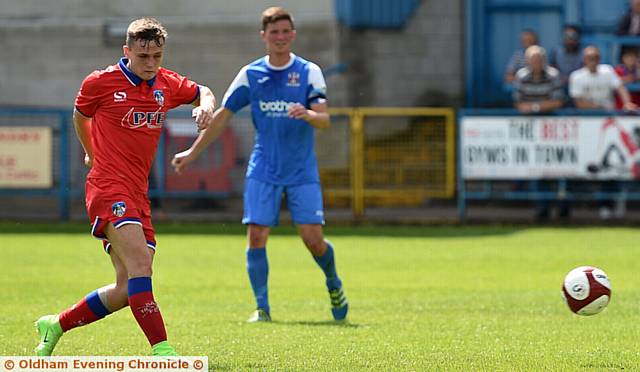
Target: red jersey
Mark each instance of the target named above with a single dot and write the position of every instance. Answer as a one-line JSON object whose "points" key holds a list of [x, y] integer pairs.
{"points": [[127, 114]]}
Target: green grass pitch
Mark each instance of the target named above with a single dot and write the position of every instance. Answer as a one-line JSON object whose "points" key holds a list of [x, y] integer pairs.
{"points": [[437, 298]]}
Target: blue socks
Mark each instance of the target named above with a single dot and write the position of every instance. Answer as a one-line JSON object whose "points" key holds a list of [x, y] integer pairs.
{"points": [[328, 265], [258, 269]]}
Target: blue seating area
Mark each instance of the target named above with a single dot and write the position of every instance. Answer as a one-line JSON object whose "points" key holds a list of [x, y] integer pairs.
{"points": [[493, 32], [378, 14]]}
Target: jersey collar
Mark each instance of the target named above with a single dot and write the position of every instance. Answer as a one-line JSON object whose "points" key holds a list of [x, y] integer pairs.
{"points": [[292, 58], [133, 78]]}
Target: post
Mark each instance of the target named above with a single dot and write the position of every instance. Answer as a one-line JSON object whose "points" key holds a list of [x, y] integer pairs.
{"points": [[357, 163]]}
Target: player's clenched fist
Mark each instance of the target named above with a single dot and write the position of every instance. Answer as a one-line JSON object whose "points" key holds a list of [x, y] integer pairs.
{"points": [[297, 111], [180, 160], [203, 115]]}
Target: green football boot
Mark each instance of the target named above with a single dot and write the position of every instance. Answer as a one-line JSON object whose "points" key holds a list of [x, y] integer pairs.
{"points": [[163, 349], [48, 327]]}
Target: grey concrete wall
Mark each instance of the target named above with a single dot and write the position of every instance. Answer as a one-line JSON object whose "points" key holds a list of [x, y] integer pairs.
{"points": [[419, 65], [48, 47], [224, 9]]}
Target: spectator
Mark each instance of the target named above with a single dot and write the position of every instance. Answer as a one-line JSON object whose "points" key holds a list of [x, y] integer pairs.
{"points": [[568, 57], [629, 73], [537, 87], [593, 86], [629, 24], [517, 60]]}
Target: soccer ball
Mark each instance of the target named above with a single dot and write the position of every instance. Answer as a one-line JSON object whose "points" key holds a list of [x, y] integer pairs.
{"points": [[586, 290]]}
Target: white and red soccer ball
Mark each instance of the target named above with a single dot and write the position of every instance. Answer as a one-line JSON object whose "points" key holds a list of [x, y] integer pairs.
{"points": [[586, 290]]}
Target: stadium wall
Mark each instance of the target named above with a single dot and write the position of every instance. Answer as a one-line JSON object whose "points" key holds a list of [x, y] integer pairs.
{"points": [[48, 47], [420, 64]]}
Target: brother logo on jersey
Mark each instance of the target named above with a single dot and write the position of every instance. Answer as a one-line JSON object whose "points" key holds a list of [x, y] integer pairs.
{"points": [[275, 108]]}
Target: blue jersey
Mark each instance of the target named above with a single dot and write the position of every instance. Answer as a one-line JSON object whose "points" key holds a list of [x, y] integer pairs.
{"points": [[283, 153]]}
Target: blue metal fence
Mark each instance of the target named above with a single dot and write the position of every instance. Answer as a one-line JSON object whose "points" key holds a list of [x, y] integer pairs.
{"points": [[69, 172]]}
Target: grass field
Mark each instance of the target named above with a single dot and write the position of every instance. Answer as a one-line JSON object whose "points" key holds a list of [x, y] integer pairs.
{"points": [[438, 298]]}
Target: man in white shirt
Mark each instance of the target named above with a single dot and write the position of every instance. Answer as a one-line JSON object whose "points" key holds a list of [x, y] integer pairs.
{"points": [[594, 85]]}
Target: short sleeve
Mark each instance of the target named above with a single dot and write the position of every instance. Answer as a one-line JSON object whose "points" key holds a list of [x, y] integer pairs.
{"points": [[317, 89], [516, 94], [184, 91], [88, 96], [575, 86], [616, 82], [557, 92], [512, 65], [237, 95]]}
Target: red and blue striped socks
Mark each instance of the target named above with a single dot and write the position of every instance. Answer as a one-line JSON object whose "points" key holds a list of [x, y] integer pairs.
{"points": [[146, 310], [87, 310]]}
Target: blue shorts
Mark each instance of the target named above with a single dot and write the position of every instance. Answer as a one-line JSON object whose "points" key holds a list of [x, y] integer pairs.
{"points": [[262, 203]]}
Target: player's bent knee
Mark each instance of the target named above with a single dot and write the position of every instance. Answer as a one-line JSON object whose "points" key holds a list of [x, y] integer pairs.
{"points": [[258, 235], [141, 266], [316, 246]]}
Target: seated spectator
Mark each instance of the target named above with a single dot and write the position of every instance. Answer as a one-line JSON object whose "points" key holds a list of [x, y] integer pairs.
{"points": [[568, 57], [537, 87], [593, 86], [629, 73], [629, 24], [517, 60]]}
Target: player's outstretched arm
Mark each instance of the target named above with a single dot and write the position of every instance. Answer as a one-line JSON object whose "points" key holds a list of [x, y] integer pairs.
{"points": [[82, 125], [205, 106], [317, 116], [214, 128]]}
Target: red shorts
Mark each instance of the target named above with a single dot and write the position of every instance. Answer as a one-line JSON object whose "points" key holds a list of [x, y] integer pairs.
{"points": [[108, 201]]}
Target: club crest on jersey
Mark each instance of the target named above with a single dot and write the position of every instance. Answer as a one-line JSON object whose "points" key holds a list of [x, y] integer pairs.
{"points": [[159, 97], [119, 208], [293, 79]]}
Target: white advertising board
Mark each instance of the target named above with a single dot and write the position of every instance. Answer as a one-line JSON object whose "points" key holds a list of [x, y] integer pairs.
{"points": [[25, 157], [528, 147]]}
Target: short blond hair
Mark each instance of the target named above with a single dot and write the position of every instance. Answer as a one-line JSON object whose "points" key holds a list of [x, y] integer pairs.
{"points": [[146, 30], [275, 14]]}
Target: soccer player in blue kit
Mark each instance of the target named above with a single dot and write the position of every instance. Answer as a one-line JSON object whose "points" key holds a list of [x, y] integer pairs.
{"points": [[287, 95]]}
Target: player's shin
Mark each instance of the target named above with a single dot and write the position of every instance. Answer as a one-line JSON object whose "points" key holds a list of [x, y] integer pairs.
{"points": [[146, 310], [339, 303], [91, 308], [328, 265], [258, 270]]}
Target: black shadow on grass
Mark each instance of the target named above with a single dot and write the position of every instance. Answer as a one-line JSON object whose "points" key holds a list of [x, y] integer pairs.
{"points": [[18, 227], [219, 367], [605, 365], [319, 323]]}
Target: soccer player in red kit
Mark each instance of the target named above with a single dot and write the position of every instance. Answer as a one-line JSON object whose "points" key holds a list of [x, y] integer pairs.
{"points": [[119, 113]]}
